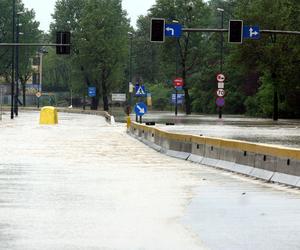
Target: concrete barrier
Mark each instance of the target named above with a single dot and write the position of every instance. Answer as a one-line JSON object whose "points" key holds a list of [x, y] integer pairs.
{"points": [[262, 161]]}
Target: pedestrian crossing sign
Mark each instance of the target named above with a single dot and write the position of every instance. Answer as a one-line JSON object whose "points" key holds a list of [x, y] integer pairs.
{"points": [[140, 90]]}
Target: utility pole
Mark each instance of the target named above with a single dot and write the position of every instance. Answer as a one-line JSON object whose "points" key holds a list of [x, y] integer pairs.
{"points": [[221, 50], [16, 101], [13, 61]]}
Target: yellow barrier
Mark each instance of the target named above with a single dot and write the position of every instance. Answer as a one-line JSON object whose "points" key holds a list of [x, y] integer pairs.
{"points": [[48, 115], [225, 143]]}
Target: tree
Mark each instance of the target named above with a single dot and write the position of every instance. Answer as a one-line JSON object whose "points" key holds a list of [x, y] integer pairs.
{"points": [[193, 13], [99, 42], [274, 56]]}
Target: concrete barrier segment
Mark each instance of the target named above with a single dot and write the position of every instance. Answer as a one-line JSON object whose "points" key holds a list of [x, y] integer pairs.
{"points": [[262, 174], [286, 179], [267, 162], [178, 154]]}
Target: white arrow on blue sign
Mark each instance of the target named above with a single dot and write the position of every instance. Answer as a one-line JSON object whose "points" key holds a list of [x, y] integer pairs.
{"points": [[92, 91], [251, 32], [173, 30], [140, 108]]}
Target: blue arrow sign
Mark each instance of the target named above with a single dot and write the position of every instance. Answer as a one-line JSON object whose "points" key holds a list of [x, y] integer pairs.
{"points": [[92, 91], [251, 32], [140, 90], [140, 108], [173, 30]]}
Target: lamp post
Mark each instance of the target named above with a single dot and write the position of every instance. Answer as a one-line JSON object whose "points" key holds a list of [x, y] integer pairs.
{"points": [[177, 69], [13, 61], [221, 50], [16, 101], [41, 52], [130, 69]]}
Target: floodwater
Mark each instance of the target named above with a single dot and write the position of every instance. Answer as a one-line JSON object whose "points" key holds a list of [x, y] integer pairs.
{"points": [[84, 184], [258, 130]]}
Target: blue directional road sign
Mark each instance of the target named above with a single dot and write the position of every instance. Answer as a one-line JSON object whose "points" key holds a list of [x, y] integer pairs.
{"points": [[180, 98], [173, 30], [140, 108], [140, 90], [251, 32], [92, 91]]}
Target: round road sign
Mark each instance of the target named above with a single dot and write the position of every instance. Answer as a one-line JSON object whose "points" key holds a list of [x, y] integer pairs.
{"points": [[178, 82], [220, 78], [220, 101], [220, 92]]}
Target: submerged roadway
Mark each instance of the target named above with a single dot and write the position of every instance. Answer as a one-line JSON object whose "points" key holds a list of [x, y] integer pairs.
{"points": [[84, 184]]}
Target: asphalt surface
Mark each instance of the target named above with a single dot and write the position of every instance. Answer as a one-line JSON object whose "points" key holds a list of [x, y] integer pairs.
{"points": [[84, 184]]}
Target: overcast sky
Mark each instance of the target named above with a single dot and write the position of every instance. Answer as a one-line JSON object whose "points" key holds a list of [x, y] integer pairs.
{"points": [[44, 9]]}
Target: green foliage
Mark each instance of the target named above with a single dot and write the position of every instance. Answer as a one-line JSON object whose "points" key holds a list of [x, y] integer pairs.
{"points": [[161, 95], [100, 45]]}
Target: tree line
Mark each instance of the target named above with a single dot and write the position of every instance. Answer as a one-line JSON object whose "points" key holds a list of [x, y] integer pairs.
{"points": [[261, 75]]}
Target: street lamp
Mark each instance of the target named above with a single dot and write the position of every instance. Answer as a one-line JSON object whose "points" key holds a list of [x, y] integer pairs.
{"points": [[222, 38], [13, 60], [17, 62], [221, 52], [41, 52], [130, 86], [177, 69]]}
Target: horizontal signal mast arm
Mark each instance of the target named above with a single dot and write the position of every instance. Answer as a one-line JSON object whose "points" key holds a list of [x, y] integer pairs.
{"points": [[286, 32], [34, 44]]}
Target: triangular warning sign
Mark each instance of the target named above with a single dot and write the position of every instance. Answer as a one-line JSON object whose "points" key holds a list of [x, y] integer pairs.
{"points": [[140, 91]]}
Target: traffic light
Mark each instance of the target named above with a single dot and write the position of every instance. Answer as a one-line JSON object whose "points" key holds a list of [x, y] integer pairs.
{"points": [[157, 30], [63, 38], [235, 32]]}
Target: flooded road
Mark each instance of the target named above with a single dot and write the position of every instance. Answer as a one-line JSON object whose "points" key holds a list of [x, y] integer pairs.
{"points": [[84, 184], [282, 132]]}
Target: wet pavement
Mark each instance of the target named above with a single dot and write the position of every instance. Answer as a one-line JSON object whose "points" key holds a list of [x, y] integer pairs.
{"points": [[84, 184]]}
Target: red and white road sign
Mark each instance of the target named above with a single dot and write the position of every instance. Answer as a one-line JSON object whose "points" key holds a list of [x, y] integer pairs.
{"points": [[220, 78], [220, 92], [178, 82]]}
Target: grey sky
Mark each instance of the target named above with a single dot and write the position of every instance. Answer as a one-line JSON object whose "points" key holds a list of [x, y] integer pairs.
{"points": [[44, 9]]}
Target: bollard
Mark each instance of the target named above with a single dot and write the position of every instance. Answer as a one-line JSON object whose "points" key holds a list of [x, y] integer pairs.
{"points": [[112, 120], [48, 115], [128, 121]]}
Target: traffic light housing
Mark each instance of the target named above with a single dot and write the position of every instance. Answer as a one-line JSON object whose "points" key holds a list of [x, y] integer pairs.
{"points": [[157, 30], [235, 32], [63, 37]]}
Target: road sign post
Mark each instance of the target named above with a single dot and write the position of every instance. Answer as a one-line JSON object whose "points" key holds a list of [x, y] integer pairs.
{"points": [[140, 109], [178, 84], [220, 93]]}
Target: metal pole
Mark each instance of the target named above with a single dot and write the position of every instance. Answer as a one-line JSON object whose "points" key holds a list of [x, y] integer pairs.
{"points": [[221, 56], [41, 71], [177, 63], [222, 40], [17, 68], [130, 71], [13, 61], [1, 101]]}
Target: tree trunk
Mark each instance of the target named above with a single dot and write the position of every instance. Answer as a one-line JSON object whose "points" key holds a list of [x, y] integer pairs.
{"points": [[24, 93], [95, 101], [275, 98], [188, 109], [104, 91]]}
